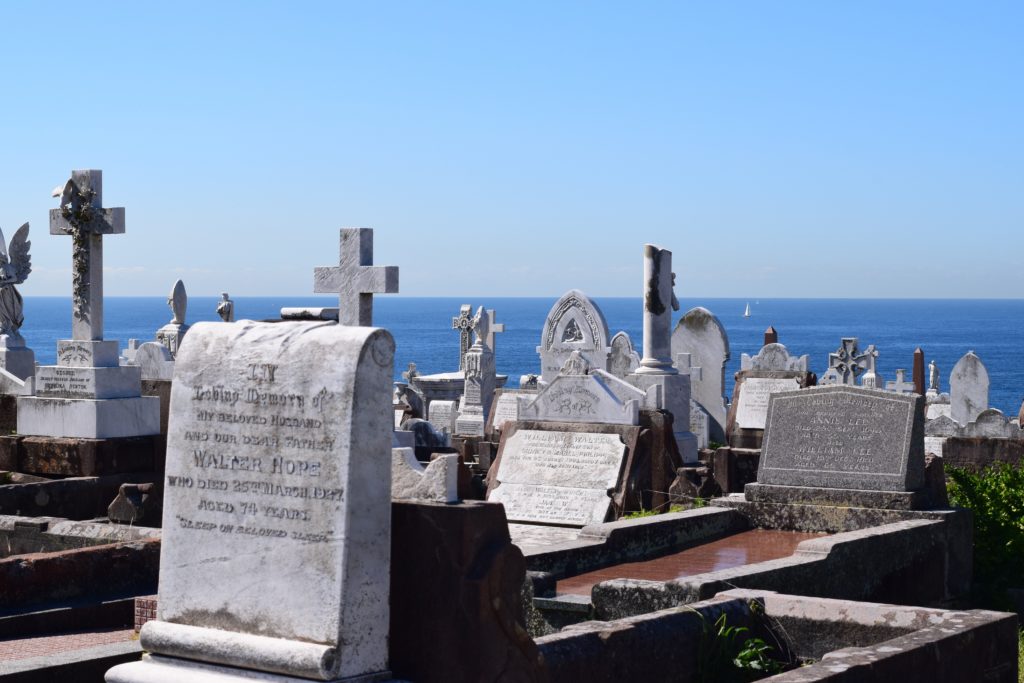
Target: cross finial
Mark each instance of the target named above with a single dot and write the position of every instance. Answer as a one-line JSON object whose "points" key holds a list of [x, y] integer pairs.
{"points": [[463, 322], [493, 328], [355, 278], [81, 215]]}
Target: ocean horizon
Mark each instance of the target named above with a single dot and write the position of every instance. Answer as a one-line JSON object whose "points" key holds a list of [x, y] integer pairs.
{"points": [[945, 329]]}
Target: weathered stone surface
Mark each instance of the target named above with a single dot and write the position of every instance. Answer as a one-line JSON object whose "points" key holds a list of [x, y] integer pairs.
{"points": [[505, 409], [574, 323], [594, 398], [437, 482], [846, 438], [774, 356], [808, 495], [976, 453], [557, 477], [474, 574], [89, 457], [752, 404], [623, 359], [73, 498], [137, 504], [567, 474], [734, 468], [355, 279], [968, 389], [443, 415], [700, 334], [277, 477]]}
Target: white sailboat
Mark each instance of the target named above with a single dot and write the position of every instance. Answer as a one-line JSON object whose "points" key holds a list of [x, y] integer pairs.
{"points": [[746, 313]]}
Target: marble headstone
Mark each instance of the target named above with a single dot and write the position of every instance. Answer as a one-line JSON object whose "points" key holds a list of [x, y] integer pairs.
{"points": [[701, 334], [752, 404], [443, 415], [574, 323], [275, 552], [968, 389]]}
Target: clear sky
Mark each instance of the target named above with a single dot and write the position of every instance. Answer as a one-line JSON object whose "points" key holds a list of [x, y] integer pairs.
{"points": [[819, 149]]}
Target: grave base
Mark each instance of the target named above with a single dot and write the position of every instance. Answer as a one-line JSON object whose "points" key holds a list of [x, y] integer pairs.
{"points": [[806, 495], [158, 669], [88, 418]]}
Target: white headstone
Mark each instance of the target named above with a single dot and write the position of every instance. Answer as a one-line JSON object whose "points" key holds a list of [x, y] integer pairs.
{"points": [[752, 405], [443, 414], [968, 389], [355, 279], [275, 552], [574, 323], [700, 334]]}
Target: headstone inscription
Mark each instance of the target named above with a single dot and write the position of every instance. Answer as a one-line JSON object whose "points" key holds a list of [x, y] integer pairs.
{"points": [[701, 334], [574, 323], [87, 394], [968, 389], [568, 476], [15, 265], [752, 404], [769, 371], [505, 409], [355, 279], [275, 553], [843, 437], [443, 415]]}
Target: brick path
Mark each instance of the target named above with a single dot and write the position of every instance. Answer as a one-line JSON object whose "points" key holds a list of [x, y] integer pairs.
{"points": [[25, 648]]}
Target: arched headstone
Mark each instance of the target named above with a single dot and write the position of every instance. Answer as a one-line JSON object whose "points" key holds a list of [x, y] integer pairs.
{"points": [[700, 334], [968, 389], [575, 323]]}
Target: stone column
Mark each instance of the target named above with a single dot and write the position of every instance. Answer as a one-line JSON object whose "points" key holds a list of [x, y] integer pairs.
{"points": [[919, 371], [659, 302]]}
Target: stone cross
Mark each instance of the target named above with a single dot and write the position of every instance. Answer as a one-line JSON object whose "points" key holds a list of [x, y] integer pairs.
{"points": [[493, 328], [901, 385], [355, 278], [847, 363], [684, 362], [81, 215], [463, 322]]}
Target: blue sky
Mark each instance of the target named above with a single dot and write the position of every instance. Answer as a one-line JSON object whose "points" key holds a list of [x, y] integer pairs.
{"points": [[817, 149]]}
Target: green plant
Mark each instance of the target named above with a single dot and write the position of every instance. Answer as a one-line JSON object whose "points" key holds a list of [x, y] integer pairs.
{"points": [[1020, 657], [640, 513], [996, 497], [726, 656], [6, 477]]}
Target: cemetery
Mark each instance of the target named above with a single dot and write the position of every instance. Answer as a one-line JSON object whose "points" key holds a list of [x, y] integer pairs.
{"points": [[261, 500]]}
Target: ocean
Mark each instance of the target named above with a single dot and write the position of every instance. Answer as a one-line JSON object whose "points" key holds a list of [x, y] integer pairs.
{"points": [[945, 329]]}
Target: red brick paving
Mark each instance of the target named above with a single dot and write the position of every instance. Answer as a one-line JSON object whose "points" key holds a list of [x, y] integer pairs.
{"points": [[26, 648]]}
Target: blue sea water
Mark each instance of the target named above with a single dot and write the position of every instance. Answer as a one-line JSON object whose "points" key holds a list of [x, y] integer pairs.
{"points": [[945, 329]]}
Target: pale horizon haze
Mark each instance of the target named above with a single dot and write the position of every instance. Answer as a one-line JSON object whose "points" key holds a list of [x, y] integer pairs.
{"points": [[789, 149]]}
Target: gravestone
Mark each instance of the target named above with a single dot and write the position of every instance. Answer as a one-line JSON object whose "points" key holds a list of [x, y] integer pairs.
{"points": [[171, 334], [968, 389], [443, 414], [623, 360], [752, 402], [355, 279], [505, 409], [275, 545], [567, 475], [866, 443], [900, 385], [702, 335], [155, 362], [699, 424], [770, 371], [480, 381], [16, 359], [87, 394], [574, 323], [846, 364], [580, 394], [463, 322]]}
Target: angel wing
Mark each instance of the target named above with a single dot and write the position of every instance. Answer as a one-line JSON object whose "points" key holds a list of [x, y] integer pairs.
{"points": [[21, 261], [3, 248]]}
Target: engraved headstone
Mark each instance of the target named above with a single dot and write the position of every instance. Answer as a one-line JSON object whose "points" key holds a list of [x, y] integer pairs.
{"points": [[844, 437], [702, 335], [443, 415], [968, 389], [87, 394], [597, 397], [574, 323], [275, 547], [506, 409], [559, 477], [623, 359], [752, 404], [355, 279]]}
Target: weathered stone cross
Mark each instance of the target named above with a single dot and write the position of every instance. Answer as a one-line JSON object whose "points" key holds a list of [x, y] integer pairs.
{"points": [[493, 328], [355, 278], [463, 322], [901, 385], [81, 215]]}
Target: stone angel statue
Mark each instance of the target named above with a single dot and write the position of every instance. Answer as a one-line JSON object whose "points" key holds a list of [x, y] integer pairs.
{"points": [[15, 265]]}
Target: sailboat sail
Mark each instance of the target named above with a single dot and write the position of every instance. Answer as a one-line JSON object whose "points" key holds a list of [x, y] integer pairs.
{"points": [[746, 313]]}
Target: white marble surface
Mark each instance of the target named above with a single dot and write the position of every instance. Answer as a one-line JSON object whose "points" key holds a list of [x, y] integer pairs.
{"points": [[752, 408], [558, 477], [277, 497], [437, 482], [968, 389], [87, 418]]}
